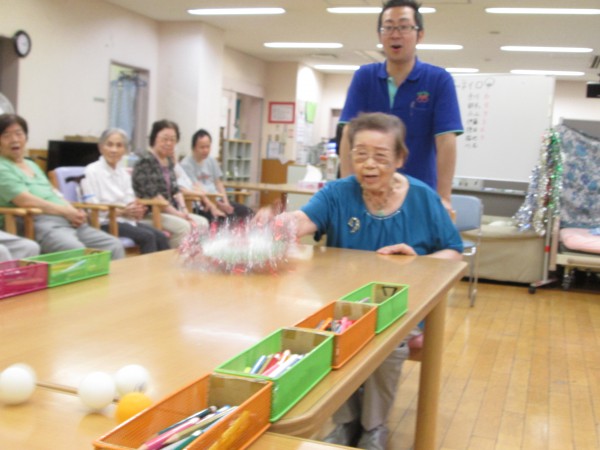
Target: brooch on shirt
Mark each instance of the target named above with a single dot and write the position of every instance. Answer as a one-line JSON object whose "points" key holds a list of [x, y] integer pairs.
{"points": [[354, 224]]}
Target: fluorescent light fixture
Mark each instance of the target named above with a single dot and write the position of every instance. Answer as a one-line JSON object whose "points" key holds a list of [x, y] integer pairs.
{"points": [[369, 10], [355, 10], [560, 11], [340, 67], [234, 11], [303, 45], [461, 70], [439, 47], [559, 73], [524, 48]]}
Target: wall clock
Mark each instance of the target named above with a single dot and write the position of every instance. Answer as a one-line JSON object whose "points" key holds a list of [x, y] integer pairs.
{"points": [[22, 43]]}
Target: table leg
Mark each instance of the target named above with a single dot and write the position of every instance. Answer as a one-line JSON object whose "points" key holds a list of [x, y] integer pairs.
{"points": [[429, 384]]}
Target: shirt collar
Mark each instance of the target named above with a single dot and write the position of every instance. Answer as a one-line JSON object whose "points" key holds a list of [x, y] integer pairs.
{"points": [[414, 74], [105, 165]]}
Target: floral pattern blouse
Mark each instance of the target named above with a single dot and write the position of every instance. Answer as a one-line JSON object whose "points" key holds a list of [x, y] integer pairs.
{"points": [[149, 181]]}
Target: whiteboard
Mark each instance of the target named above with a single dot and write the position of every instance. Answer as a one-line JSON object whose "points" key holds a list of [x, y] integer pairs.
{"points": [[505, 118]]}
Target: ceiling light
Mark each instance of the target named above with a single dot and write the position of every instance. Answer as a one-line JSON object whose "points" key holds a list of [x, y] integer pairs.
{"points": [[234, 11], [341, 67], [302, 45], [461, 70], [439, 47], [560, 73], [560, 11], [523, 48], [368, 10]]}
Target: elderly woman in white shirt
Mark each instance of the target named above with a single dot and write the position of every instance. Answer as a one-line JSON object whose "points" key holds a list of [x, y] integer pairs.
{"points": [[110, 183]]}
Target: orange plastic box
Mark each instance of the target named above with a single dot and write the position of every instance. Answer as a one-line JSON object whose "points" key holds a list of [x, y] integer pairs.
{"points": [[351, 340], [235, 432], [18, 277]]}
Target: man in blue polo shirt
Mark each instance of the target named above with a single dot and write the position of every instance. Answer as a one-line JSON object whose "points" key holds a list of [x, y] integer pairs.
{"points": [[420, 94]]}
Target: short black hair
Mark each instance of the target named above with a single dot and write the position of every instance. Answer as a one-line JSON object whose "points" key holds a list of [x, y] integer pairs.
{"points": [[160, 125], [400, 3], [199, 135], [6, 120]]}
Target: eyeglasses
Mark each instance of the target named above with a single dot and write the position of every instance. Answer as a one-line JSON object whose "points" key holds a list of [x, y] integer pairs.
{"points": [[361, 155], [167, 139], [402, 29], [9, 134]]}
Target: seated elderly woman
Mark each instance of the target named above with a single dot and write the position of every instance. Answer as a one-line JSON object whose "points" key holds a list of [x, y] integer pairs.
{"points": [[382, 210], [207, 177], [154, 177], [111, 184], [23, 184]]}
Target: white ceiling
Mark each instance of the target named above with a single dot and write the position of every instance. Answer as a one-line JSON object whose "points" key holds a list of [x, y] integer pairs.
{"points": [[461, 22]]}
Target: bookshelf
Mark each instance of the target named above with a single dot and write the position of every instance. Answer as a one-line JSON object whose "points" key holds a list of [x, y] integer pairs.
{"points": [[237, 160]]}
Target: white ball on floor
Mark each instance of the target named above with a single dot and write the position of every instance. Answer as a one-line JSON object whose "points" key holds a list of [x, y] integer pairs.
{"points": [[97, 390], [28, 368], [16, 384], [131, 378]]}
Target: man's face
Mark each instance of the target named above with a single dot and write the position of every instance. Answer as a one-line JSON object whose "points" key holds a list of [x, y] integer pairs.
{"points": [[399, 46]]}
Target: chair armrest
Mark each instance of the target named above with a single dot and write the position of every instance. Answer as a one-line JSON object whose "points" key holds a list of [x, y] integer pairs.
{"points": [[90, 206], [190, 198], [239, 196], [153, 202], [156, 207], [27, 214], [113, 226], [94, 211]]}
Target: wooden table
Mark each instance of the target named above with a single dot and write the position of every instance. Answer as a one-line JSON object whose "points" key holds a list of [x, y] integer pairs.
{"points": [[283, 189], [55, 420], [181, 323]]}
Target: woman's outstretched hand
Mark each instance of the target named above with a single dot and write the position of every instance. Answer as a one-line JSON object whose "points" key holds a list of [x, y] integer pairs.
{"points": [[397, 249]]}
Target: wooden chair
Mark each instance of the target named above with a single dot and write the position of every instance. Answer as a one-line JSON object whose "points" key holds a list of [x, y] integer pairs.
{"points": [[67, 179], [190, 198], [10, 220]]}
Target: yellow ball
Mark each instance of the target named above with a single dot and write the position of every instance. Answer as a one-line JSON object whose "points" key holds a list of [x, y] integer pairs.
{"points": [[131, 404]]}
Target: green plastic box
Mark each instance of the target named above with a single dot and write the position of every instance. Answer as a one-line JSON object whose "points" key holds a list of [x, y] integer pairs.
{"points": [[74, 265], [298, 380], [391, 300]]}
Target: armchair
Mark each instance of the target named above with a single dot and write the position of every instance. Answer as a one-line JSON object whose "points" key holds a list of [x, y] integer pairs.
{"points": [[67, 180], [10, 221]]}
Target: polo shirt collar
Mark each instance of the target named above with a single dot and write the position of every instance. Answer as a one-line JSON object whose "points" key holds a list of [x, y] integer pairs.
{"points": [[414, 74]]}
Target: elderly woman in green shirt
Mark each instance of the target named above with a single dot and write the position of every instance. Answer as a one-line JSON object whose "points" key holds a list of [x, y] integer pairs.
{"points": [[23, 184]]}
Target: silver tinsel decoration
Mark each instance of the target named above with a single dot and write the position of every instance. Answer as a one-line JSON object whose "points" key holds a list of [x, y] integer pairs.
{"points": [[542, 199]]}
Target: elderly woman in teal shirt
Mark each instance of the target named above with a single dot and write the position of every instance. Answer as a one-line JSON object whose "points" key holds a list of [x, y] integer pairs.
{"points": [[377, 209]]}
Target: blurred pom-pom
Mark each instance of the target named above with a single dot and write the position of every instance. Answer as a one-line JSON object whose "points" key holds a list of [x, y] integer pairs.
{"points": [[242, 247]]}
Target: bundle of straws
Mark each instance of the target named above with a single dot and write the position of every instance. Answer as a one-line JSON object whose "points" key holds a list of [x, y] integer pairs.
{"points": [[240, 248]]}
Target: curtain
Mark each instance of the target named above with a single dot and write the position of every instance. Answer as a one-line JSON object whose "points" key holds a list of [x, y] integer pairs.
{"points": [[123, 92]]}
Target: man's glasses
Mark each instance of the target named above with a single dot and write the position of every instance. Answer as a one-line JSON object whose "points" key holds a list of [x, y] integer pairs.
{"points": [[361, 155], [402, 29]]}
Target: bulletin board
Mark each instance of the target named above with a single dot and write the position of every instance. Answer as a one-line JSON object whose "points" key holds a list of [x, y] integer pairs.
{"points": [[505, 118]]}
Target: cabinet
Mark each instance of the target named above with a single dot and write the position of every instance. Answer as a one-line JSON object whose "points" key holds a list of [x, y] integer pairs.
{"points": [[237, 160]]}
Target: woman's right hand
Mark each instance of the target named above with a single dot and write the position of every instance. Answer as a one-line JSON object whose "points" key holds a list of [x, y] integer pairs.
{"points": [[134, 211], [263, 216], [76, 217]]}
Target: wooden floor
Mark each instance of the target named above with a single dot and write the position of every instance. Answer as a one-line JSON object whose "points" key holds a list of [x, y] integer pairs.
{"points": [[520, 371]]}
